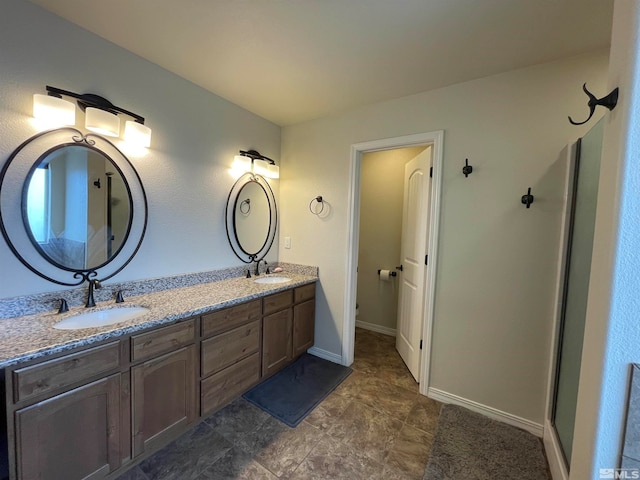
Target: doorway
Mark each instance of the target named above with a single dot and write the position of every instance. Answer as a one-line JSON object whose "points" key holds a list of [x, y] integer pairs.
{"points": [[381, 277], [435, 140]]}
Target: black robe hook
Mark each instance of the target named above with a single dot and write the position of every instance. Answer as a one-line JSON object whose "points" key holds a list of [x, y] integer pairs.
{"points": [[527, 199], [609, 101], [467, 169]]}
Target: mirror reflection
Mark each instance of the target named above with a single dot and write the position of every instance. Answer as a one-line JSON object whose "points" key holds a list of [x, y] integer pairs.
{"points": [[252, 217], [77, 207]]}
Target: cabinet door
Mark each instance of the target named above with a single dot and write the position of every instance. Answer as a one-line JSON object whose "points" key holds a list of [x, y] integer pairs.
{"points": [[164, 398], [303, 327], [74, 435], [276, 341]]}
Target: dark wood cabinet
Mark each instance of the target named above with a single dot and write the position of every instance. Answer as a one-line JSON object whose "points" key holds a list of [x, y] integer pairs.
{"points": [[164, 398], [303, 327], [231, 317], [276, 341], [46, 377], [73, 435], [230, 357], [228, 384], [92, 412], [289, 332]]}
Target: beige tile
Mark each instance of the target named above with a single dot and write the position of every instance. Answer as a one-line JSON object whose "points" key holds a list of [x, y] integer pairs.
{"points": [[367, 365], [281, 449], [424, 414], [367, 430], [352, 385], [260, 438], [410, 452], [398, 376], [188, 456], [325, 415], [379, 394], [237, 420], [236, 465], [334, 460], [389, 472]]}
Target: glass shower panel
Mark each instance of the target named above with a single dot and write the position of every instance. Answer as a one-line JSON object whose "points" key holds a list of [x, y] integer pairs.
{"points": [[576, 286]]}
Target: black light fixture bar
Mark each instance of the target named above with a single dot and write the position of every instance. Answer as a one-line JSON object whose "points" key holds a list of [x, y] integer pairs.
{"points": [[91, 100], [255, 155]]}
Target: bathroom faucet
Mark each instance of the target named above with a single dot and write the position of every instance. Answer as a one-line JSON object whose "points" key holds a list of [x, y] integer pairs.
{"points": [[257, 271], [95, 283]]}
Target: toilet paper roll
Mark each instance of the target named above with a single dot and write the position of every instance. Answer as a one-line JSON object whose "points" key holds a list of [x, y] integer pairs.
{"points": [[385, 275]]}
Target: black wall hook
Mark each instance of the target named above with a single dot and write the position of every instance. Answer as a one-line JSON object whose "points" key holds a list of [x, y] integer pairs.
{"points": [[467, 169], [527, 199], [609, 101]]}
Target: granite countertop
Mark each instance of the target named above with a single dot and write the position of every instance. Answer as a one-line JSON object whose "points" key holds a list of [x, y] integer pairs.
{"points": [[33, 336]]}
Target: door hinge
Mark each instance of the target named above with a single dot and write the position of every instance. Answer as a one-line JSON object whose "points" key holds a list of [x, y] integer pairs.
{"points": [[426, 259], [430, 172], [420, 344]]}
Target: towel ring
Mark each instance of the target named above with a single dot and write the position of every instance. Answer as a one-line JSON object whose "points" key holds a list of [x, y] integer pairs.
{"points": [[245, 206], [318, 201]]}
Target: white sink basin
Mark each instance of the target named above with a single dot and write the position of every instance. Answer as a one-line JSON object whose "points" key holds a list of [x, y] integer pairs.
{"points": [[272, 279], [100, 318]]}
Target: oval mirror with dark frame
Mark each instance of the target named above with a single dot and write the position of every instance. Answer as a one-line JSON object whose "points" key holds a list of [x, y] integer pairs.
{"points": [[251, 217], [82, 205], [76, 207]]}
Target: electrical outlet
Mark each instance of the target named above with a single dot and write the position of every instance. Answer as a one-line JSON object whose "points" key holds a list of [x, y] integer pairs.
{"points": [[287, 242]]}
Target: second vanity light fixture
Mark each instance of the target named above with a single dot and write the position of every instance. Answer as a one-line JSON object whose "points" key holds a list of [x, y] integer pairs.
{"points": [[253, 161], [101, 116]]}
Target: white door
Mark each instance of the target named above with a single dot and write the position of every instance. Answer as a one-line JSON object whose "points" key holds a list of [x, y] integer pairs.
{"points": [[415, 234]]}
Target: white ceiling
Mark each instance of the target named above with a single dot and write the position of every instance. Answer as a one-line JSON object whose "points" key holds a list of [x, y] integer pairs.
{"points": [[294, 60]]}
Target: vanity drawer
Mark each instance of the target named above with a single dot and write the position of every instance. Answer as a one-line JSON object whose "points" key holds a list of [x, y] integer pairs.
{"points": [[277, 302], [162, 340], [223, 320], [227, 348], [222, 387], [305, 292], [48, 376]]}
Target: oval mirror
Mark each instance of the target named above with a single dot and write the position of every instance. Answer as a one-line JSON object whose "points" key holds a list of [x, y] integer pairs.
{"points": [[76, 207], [79, 208], [251, 218]]}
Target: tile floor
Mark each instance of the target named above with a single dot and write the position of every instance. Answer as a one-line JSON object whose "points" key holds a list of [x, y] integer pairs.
{"points": [[375, 425]]}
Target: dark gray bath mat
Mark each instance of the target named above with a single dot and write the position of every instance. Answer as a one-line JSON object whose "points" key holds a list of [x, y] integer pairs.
{"points": [[291, 394], [471, 446]]}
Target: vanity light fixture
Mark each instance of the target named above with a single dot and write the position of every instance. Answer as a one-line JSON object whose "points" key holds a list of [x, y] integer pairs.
{"points": [[253, 161], [53, 110], [101, 116], [101, 122]]}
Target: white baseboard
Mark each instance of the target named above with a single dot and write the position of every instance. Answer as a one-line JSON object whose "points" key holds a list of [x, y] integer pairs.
{"points": [[376, 328], [554, 453], [332, 357], [490, 412]]}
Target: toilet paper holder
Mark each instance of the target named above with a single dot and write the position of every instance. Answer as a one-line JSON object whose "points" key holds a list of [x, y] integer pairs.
{"points": [[393, 274]]}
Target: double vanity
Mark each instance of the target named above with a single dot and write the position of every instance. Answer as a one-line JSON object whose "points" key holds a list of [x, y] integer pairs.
{"points": [[92, 402]]}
